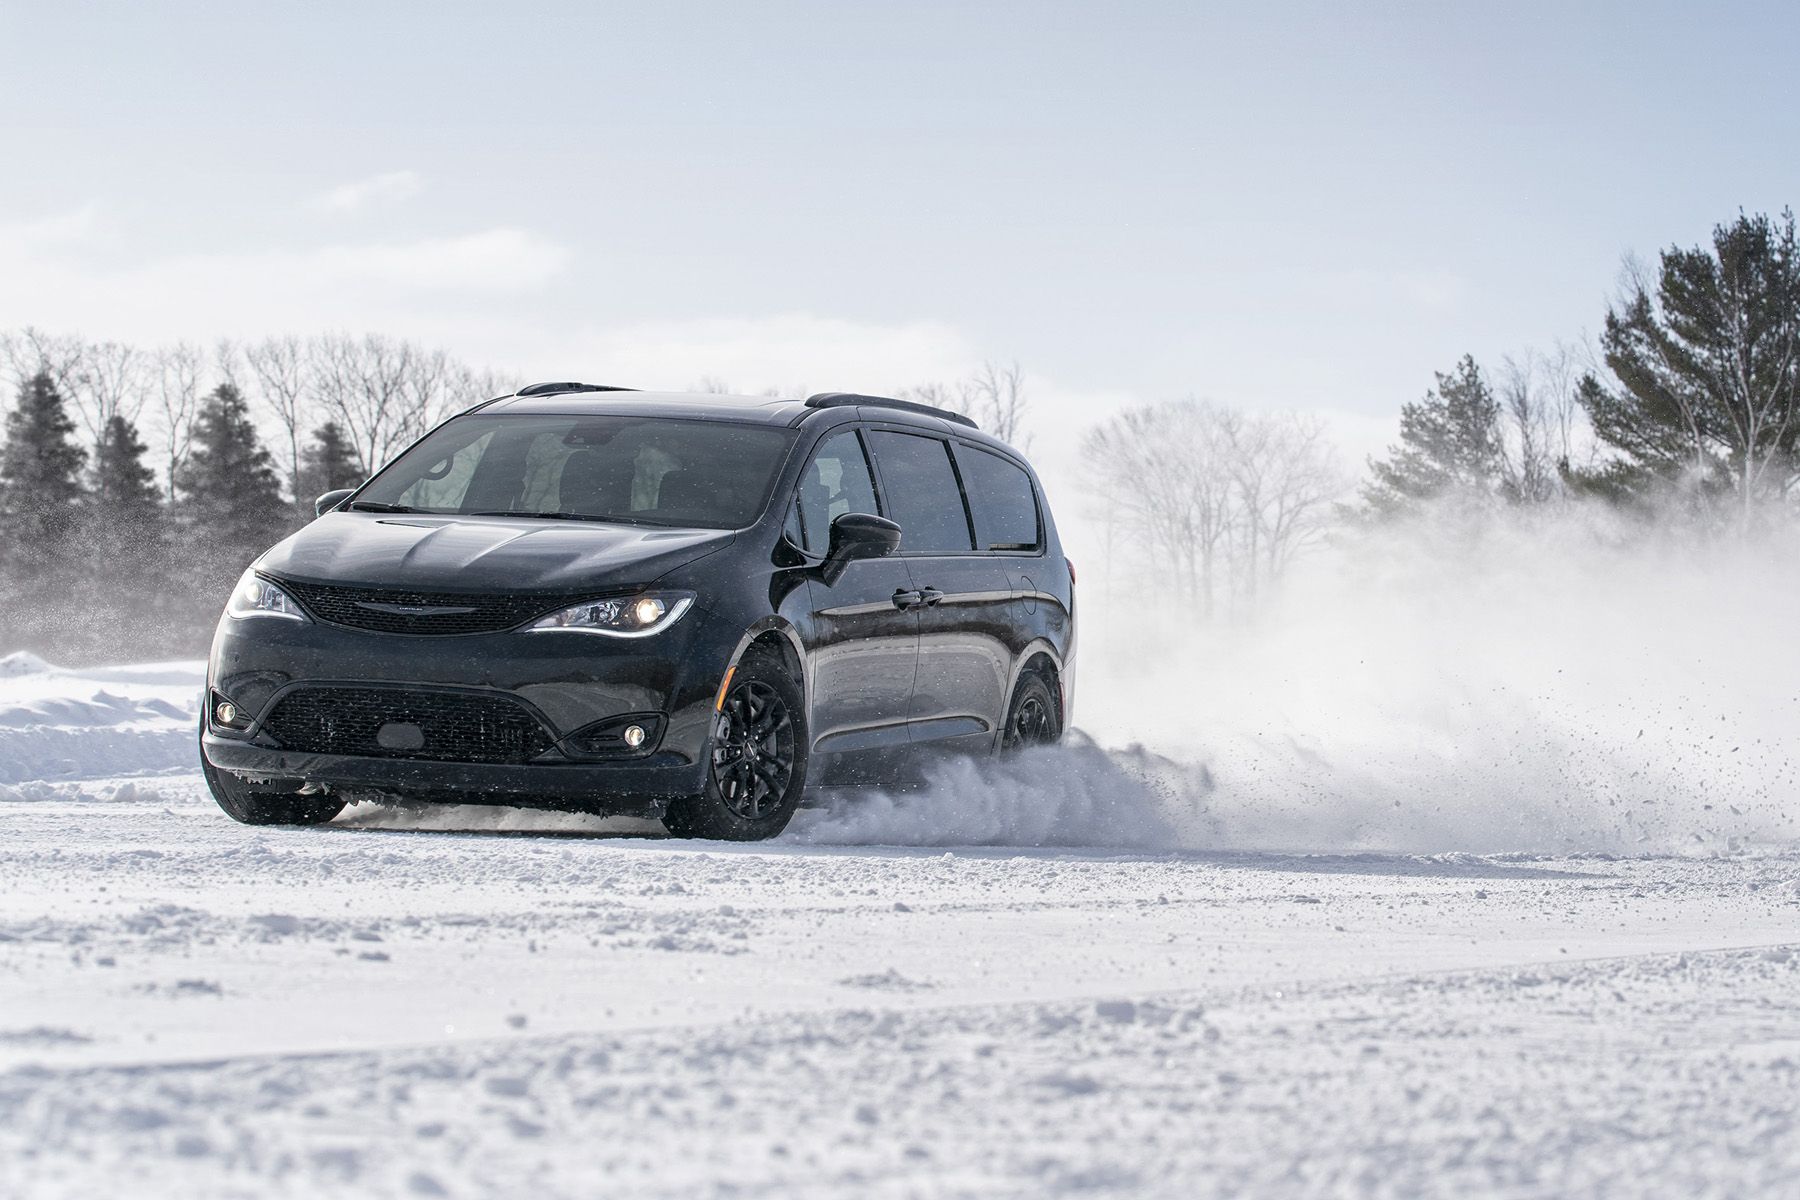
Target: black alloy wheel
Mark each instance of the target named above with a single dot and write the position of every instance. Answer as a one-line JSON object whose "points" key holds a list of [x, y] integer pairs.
{"points": [[753, 750], [756, 768], [1034, 718]]}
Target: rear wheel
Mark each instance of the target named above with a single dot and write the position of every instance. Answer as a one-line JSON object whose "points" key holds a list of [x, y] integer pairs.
{"points": [[1034, 718], [253, 805], [757, 760]]}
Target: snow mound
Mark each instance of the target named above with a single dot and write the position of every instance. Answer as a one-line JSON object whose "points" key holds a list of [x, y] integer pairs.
{"points": [[96, 722], [22, 662]]}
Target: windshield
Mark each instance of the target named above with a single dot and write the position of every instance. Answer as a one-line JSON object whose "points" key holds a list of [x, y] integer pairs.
{"points": [[635, 470]]}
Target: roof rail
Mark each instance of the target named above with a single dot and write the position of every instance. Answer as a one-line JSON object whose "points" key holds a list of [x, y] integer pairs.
{"points": [[558, 389], [848, 399]]}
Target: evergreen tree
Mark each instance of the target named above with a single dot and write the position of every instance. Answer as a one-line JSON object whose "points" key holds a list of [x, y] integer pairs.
{"points": [[230, 497], [40, 475], [1449, 446], [1708, 372], [40, 496], [126, 544], [327, 464], [124, 487]]}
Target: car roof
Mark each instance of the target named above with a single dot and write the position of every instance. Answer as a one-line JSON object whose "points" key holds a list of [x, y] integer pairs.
{"points": [[715, 406], [723, 406]]}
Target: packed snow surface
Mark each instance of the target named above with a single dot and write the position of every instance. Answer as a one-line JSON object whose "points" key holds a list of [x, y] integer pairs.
{"points": [[1103, 970]]}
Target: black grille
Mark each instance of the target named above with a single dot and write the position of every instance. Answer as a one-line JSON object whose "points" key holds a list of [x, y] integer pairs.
{"points": [[456, 727], [459, 613]]}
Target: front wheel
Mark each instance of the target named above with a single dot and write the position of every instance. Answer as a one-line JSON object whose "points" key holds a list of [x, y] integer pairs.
{"points": [[757, 760], [258, 806]]}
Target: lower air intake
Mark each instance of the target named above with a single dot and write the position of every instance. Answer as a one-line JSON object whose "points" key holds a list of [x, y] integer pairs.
{"points": [[398, 723]]}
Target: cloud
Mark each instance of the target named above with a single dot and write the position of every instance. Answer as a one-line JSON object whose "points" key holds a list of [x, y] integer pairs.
{"points": [[50, 277], [390, 187]]}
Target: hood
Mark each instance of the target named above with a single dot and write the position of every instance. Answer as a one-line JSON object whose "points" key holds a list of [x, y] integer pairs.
{"points": [[483, 554]]}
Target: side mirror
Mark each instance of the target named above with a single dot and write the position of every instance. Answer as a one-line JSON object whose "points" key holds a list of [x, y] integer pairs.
{"points": [[330, 500], [854, 536]]}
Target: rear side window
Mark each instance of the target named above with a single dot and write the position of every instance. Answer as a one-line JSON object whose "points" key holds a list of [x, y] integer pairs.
{"points": [[836, 482], [1001, 499], [920, 486]]}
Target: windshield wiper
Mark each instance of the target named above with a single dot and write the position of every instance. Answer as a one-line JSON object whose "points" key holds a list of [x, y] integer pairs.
{"points": [[378, 506], [556, 516]]}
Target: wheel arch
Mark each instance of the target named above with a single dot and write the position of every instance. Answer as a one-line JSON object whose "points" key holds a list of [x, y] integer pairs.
{"points": [[1040, 658]]}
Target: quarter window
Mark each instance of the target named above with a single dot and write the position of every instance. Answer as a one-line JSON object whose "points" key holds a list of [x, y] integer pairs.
{"points": [[836, 482], [922, 494], [1001, 498]]}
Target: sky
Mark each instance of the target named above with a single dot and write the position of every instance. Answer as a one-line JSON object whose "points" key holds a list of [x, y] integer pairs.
{"points": [[1275, 206]]}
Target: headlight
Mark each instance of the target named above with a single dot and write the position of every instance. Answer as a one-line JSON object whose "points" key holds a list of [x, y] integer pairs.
{"points": [[627, 616], [257, 597]]}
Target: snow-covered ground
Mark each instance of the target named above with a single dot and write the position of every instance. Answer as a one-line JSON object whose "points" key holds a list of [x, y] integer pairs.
{"points": [[1065, 992]]}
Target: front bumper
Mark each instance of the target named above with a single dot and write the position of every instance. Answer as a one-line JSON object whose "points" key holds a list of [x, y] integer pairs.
{"points": [[639, 788], [570, 681]]}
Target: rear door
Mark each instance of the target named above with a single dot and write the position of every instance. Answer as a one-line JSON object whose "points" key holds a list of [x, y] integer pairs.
{"points": [[863, 646], [965, 621]]}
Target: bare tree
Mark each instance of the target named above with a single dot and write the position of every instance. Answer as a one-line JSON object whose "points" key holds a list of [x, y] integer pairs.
{"points": [[281, 367], [179, 370], [107, 382], [364, 384], [1161, 469], [1220, 503], [1287, 475], [994, 397], [31, 351], [999, 401]]}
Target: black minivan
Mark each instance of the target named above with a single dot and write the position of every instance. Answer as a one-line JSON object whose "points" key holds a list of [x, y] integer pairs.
{"points": [[666, 605]]}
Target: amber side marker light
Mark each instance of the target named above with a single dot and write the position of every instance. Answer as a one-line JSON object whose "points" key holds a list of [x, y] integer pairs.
{"points": [[724, 686]]}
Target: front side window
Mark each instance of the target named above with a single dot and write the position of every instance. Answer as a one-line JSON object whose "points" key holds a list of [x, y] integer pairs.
{"points": [[922, 494], [835, 482], [1001, 499], [635, 470]]}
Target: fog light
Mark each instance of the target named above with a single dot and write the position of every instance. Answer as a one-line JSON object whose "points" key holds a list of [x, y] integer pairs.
{"points": [[227, 713], [634, 736]]}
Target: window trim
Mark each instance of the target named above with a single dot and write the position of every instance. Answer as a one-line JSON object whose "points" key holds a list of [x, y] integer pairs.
{"points": [[955, 472], [1037, 502], [812, 454]]}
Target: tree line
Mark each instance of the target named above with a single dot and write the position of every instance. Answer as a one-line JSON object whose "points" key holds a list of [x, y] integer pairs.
{"points": [[1688, 407], [135, 485]]}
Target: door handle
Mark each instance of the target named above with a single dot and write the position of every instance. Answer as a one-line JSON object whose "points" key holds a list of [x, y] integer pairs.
{"points": [[904, 599], [930, 596]]}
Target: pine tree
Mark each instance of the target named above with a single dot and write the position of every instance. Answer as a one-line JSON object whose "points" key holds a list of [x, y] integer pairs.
{"points": [[40, 498], [123, 484], [40, 472], [128, 570], [1708, 372], [230, 497], [327, 464], [1449, 446]]}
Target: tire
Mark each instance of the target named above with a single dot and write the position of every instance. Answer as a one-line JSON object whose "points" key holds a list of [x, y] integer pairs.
{"points": [[756, 758], [254, 806], [1034, 718]]}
